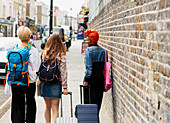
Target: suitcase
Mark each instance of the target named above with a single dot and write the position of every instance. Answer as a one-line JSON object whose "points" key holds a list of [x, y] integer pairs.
{"points": [[87, 113], [67, 119]]}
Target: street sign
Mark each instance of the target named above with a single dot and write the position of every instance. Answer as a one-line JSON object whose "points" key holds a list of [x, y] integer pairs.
{"points": [[80, 18]]}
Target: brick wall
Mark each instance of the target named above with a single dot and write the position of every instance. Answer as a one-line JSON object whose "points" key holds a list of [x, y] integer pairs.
{"points": [[136, 34]]}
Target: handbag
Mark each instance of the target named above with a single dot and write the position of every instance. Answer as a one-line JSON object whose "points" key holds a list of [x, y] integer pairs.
{"points": [[8, 90], [38, 87], [106, 71]]}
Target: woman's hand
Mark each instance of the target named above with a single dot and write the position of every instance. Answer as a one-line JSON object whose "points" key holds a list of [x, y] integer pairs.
{"points": [[65, 92], [85, 84]]}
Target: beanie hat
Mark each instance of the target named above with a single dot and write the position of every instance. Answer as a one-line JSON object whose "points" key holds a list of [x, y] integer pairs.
{"points": [[93, 35]]}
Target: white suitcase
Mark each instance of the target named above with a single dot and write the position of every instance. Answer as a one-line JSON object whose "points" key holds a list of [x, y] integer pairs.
{"points": [[67, 119]]}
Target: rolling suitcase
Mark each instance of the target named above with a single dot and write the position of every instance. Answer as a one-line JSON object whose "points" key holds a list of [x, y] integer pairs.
{"points": [[67, 119], [87, 113]]}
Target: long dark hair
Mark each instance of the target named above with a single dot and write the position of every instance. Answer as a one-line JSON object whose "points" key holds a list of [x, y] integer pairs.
{"points": [[53, 47]]}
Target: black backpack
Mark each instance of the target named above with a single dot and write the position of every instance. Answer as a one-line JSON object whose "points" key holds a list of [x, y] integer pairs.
{"points": [[48, 72]]}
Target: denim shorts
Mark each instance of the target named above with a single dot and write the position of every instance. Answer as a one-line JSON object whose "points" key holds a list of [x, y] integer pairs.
{"points": [[51, 89]]}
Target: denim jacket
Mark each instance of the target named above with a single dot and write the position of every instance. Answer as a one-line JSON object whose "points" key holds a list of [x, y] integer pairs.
{"points": [[93, 54]]}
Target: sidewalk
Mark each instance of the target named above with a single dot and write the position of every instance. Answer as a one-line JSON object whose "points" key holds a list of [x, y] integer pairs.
{"points": [[75, 66]]}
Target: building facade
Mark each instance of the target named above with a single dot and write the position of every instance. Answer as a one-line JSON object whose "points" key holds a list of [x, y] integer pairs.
{"points": [[74, 24], [6, 8], [22, 9], [136, 34], [16, 9], [19, 9], [55, 15], [62, 17], [19, 13], [42, 14], [31, 9], [95, 6], [6, 18]]}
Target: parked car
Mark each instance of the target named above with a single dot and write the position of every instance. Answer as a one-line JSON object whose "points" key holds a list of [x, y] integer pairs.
{"points": [[57, 30], [6, 43]]}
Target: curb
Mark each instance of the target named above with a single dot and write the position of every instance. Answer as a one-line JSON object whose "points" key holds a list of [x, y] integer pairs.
{"points": [[5, 107]]}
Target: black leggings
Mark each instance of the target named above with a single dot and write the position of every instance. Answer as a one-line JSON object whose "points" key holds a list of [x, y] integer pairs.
{"points": [[18, 113], [96, 96], [97, 85]]}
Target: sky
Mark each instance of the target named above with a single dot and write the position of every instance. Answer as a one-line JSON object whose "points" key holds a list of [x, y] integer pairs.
{"points": [[67, 4]]}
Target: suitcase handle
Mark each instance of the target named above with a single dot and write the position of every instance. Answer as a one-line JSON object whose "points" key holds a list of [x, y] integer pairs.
{"points": [[81, 86], [70, 93]]}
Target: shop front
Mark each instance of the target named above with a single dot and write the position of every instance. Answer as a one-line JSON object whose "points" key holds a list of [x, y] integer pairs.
{"points": [[6, 27]]}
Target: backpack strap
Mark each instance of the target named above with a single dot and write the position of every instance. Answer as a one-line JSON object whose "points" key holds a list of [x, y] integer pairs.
{"points": [[6, 77], [6, 66], [29, 63], [13, 72], [26, 72], [16, 45], [6, 72], [28, 80], [29, 46]]}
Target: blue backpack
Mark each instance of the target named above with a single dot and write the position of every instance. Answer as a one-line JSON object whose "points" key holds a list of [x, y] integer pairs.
{"points": [[17, 65]]}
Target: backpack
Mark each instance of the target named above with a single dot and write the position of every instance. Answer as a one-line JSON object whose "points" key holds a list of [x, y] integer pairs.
{"points": [[49, 72], [17, 65]]}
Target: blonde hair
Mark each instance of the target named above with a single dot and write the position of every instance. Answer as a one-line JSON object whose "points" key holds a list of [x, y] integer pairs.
{"points": [[24, 33]]}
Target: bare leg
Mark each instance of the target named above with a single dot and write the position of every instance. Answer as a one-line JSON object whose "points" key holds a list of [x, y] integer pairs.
{"points": [[47, 112], [55, 109]]}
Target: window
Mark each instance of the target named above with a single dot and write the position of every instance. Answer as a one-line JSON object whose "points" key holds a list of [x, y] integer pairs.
{"points": [[14, 13], [20, 12], [10, 11], [4, 11]]}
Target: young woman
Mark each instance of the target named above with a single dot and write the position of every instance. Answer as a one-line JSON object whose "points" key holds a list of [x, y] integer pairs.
{"points": [[19, 93], [51, 91], [94, 63]]}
